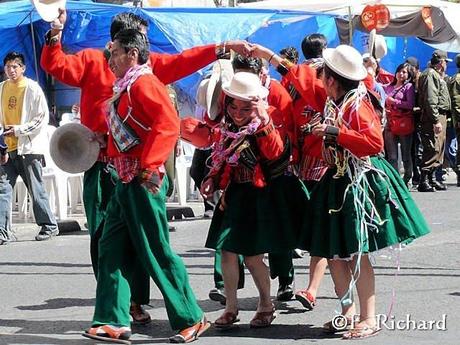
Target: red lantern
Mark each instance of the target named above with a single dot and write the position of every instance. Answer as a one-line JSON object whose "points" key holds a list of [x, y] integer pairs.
{"points": [[375, 17]]}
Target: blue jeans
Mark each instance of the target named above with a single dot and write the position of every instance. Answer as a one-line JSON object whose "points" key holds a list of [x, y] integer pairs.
{"points": [[6, 193], [29, 167], [391, 148]]}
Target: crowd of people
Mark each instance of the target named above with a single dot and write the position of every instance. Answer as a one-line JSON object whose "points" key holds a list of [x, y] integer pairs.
{"points": [[313, 158]]}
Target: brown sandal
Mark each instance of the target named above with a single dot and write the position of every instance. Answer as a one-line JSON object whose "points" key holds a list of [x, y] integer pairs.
{"points": [[361, 333], [139, 314], [263, 319], [227, 320]]}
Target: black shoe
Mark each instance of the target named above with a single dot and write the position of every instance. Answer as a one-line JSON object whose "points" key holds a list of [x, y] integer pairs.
{"points": [[285, 292], [172, 228], [46, 235], [438, 185], [218, 295], [425, 187]]}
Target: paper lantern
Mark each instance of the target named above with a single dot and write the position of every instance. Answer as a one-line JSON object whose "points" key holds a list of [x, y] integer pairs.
{"points": [[375, 17]]}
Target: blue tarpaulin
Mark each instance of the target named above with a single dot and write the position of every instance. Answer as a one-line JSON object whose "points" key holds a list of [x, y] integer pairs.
{"points": [[172, 30]]}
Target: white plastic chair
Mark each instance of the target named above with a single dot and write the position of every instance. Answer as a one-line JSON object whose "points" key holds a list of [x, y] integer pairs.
{"points": [[20, 199], [183, 180]]}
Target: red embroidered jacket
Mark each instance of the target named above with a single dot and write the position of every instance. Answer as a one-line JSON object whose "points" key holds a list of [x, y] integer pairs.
{"points": [[152, 107], [363, 134]]}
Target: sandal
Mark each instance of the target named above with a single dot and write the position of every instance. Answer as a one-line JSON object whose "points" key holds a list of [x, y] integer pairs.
{"points": [[109, 333], [361, 333], [306, 298], [338, 324], [191, 333], [227, 320], [263, 319], [139, 315]]}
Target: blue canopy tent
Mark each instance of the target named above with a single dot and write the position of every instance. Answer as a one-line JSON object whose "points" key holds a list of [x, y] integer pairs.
{"points": [[399, 49], [171, 30]]}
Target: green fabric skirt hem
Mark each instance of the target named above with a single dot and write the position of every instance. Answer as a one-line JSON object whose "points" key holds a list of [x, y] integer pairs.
{"points": [[335, 226], [260, 220]]}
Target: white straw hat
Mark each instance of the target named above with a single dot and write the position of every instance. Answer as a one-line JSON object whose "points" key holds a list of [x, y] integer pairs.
{"points": [[245, 86], [345, 61], [222, 72], [377, 45], [201, 93], [71, 148], [48, 9]]}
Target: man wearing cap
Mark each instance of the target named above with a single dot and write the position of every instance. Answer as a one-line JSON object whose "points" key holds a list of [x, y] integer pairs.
{"points": [[24, 116], [455, 98], [89, 70], [417, 149], [435, 104]]}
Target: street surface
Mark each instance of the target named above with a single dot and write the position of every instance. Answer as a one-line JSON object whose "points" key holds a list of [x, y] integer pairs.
{"points": [[47, 288]]}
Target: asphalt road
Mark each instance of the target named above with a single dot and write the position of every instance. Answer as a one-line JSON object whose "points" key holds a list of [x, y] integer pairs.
{"points": [[47, 289]]}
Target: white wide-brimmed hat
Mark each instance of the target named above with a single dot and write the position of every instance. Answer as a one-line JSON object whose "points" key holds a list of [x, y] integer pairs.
{"points": [[245, 86], [222, 73], [377, 45], [201, 93], [71, 148], [48, 9], [345, 61]]}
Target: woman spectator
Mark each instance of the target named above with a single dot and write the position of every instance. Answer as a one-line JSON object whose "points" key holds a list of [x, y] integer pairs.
{"points": [[400, 126]]}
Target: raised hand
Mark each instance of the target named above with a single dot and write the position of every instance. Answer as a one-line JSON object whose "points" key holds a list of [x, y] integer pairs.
{"points": [[57, 25], [260, 107], [207, 188], [239, 46]]}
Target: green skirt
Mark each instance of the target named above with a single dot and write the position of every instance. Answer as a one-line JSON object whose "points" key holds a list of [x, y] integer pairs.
{"points": [[334, 226], [259, 220]]}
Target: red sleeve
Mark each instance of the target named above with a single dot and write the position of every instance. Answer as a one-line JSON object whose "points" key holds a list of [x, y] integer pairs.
{"points": [[172, 67], [271, 145], [304, 79], [68, 69], [364, 136], [163, 121], [369, 82], [384, 77], [284, 83], [280, 99], [196, 132]]}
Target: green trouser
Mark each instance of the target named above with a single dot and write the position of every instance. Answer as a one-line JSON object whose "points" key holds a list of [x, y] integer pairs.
{"points": [[136, 226], [98, 187], [280, 266], [218, 278]]}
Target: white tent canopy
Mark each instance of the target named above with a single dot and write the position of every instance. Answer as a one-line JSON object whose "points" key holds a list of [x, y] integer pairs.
{"points": [[397, 8]]}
